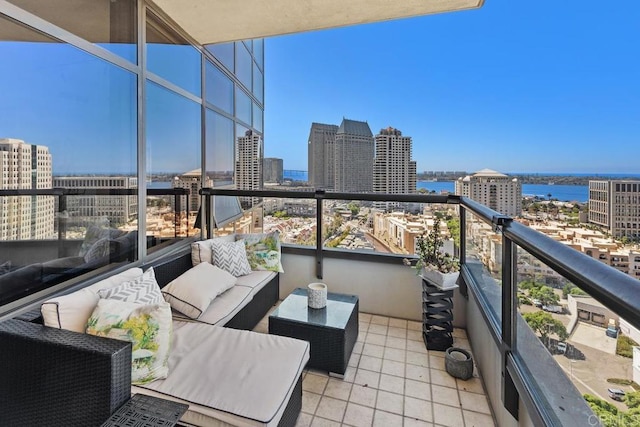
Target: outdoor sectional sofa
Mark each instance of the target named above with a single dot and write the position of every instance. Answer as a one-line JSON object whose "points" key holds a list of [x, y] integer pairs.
{"points": [[227, 374]]}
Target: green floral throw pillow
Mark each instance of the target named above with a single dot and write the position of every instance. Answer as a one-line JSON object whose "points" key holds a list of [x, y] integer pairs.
{"points": [[263, 250], [147, 327]]}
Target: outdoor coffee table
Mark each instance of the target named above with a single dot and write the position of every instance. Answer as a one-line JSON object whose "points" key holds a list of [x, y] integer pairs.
{"points": [[331, 331]]}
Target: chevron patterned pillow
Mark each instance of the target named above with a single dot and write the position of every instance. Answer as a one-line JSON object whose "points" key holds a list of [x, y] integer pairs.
{"points": [[143, 290], [231, 257]]}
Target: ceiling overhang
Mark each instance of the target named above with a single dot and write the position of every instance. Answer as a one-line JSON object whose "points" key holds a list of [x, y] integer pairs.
{"points": [[218, 21]]}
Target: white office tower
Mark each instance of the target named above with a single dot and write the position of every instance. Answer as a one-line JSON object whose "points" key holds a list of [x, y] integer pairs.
{"points": [[249, 166], [84, 210], [615, 204], [25, 167], [494, 190], [393, 170], [321, 152], [354, 151]]}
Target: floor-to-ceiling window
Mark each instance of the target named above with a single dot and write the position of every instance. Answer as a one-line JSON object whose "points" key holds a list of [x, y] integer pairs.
{"points": [[95, 129]]}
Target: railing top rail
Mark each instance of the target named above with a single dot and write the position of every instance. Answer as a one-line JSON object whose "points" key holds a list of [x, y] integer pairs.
{"points": [[330, 195], [94, 192]]}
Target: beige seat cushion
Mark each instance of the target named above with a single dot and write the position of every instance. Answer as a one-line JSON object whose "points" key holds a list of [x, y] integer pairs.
{"points": [[242, 378], [256, 280], [229, 303]]}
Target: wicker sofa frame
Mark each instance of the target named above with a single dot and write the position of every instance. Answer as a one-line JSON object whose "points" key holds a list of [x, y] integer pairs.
{"points": [[166, 269]]}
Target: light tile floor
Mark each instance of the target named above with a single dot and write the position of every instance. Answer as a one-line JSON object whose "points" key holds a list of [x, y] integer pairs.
{"points": [[392, 380]]}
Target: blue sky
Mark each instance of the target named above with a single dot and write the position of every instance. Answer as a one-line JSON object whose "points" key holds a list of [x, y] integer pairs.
{"points": [[514, 86]]}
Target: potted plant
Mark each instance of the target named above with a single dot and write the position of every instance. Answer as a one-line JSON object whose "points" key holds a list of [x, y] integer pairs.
{"points": [[433, 264]]}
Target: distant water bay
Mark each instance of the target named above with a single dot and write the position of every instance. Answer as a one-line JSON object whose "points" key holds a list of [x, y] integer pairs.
{"points": [[568, 193]]}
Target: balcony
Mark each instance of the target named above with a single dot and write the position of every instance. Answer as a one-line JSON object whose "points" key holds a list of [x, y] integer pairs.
{"points": [[390, 373], [485, 307]]}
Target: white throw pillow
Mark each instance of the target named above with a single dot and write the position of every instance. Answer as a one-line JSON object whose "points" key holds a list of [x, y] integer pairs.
{"points": [[231, 257], [201, 250], [72, 311], [147, 327], [143, 290], [192, 292]]}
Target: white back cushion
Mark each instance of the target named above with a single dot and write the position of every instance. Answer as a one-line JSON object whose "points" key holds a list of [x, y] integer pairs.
{"points": [[72, 311], [201, 250], [191, 293]]}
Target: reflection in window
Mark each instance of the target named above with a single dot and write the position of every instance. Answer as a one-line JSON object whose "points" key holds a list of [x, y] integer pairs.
{"points": [[224, 52], [107, 23], [258, 52], [64, 114], [225, 210], [243, 106], [173, 161], [219, 149], [243, 65], [257, 117], [258, 80], [219, 89], [165, 49]]}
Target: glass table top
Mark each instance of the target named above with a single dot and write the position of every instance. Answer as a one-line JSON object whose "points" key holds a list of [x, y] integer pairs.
{"points": [[335, 315]]}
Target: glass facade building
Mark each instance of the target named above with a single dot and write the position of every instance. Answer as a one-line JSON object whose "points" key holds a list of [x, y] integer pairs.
{"points": [[113, 89]]}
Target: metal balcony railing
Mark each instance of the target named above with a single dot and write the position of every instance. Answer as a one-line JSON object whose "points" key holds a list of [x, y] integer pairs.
{"points": [[62, 194], [616, 290]]}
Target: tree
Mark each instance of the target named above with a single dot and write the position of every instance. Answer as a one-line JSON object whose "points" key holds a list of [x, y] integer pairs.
{"points": [[529, 285], [354, 208], [544, 324], [571, 289], [604, 410], [545, 294], [632, 399], [453, 224], [577, 291]]}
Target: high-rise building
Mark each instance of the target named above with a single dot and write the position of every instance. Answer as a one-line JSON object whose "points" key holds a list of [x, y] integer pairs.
{"points": [[353, 157], [615, 204], [494, 190], [249, 165], [393, 170], [192, 181], [321, 151], [25, 167], [273, 170], [86, 209]]}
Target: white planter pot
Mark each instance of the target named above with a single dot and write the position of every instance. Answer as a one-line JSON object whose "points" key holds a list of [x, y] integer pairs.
{"points": [[444, 281]]}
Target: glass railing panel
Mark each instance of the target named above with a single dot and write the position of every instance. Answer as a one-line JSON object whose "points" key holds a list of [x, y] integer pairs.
{"points": [[295, 219], [569, 340], [484, 261], [385, 227]]}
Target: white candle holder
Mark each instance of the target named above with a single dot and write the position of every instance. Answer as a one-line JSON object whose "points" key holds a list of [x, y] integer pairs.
{"points": [[317, 295]]}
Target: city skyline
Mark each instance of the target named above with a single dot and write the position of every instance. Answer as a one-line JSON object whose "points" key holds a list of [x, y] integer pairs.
{"points": [[511, 86]]}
